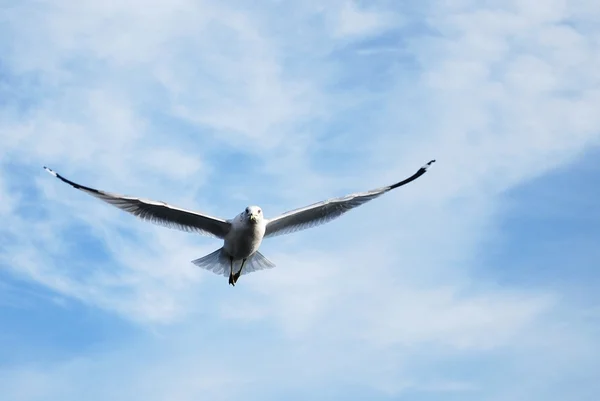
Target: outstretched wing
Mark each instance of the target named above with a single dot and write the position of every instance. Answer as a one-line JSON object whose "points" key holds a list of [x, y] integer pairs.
{"points": [[325, 211], [159, 213]]}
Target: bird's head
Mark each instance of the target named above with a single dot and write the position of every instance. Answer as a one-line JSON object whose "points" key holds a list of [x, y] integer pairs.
{"points": [[253, 214]]}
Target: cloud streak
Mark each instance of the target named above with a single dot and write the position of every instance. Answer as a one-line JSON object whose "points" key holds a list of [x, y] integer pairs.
{"points": [[212, 105]]}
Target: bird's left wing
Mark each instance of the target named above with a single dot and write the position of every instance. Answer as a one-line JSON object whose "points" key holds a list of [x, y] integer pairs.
{"points": [[159, 213], [325, 211]]}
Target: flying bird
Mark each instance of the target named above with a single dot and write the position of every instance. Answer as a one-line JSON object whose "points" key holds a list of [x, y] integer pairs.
{"points": [[242, 235]]}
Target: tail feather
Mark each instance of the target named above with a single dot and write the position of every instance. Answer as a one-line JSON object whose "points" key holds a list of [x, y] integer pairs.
{"points": [[218, 263], [257, 262]]}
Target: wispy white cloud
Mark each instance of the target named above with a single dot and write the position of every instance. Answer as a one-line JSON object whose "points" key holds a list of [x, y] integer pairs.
{"points": [[353, 21], [202, 104]]}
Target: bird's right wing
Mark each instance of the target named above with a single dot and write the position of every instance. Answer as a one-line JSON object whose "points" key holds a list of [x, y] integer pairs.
{"points": [[325, 211], [158, 212]]}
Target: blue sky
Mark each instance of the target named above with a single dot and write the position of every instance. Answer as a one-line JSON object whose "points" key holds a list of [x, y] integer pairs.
{"points": [[476, 282]]}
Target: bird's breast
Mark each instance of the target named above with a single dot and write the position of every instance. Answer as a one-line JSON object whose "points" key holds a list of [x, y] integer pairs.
{"points": [[244, 239]]}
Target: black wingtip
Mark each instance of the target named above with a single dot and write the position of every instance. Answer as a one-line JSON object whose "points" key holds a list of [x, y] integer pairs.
{"points": [[429, 164], [416, 175], [50, 171], [63, 179]]}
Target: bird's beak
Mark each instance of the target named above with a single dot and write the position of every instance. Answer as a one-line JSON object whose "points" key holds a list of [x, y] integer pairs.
{"points": [[253, 218]]}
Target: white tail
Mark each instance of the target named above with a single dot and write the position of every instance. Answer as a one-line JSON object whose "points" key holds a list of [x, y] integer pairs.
{"points": [[218, 263]]}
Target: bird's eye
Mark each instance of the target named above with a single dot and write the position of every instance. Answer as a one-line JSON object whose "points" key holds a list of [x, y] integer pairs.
{"points": [[259, 211]]}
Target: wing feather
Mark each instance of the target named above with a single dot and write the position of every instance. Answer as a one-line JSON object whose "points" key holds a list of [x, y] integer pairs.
{"points": [[325, 211], [159, 213]]}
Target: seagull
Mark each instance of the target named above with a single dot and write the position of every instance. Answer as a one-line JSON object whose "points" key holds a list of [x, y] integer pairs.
{"points": [[242, 235]]}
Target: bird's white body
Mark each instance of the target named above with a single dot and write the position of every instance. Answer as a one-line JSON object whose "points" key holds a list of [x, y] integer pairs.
{"points": [[246, 234]]}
